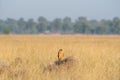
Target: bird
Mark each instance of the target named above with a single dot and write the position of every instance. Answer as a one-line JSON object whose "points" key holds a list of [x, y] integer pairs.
{"points": [[60, 55]]}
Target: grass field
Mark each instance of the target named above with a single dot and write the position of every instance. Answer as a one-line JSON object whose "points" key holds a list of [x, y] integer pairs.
{"points": [[23, 57]]}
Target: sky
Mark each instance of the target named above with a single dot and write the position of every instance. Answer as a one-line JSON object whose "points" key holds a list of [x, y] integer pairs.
{"points": [[51, 9]]}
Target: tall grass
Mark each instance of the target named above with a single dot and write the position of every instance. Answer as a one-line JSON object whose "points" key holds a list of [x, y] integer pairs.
{"points": [[24, 57]]}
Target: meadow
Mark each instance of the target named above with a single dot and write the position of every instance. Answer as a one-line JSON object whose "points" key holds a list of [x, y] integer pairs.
{"points": [[24, 57]]}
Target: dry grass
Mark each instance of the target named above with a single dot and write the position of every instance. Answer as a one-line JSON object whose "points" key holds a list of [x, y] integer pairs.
{"points": [[25, 57]]}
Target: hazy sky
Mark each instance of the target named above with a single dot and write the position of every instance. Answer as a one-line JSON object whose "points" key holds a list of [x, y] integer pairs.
{"points": [[51, 9]]}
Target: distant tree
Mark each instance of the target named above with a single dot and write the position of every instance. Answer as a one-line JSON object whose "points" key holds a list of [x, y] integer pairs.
{"points": [[103, 27], [56, 25], [67, 25], [6, 30], [42, 24], [1, 25], [82, 26], [100, 30], [22, 26], [77, 27], [107, 24], [12, 24], [31, 27], [116, 26]]}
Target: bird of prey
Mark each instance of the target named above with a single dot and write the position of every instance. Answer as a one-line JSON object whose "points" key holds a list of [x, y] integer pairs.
{"points": [[60, 54]]}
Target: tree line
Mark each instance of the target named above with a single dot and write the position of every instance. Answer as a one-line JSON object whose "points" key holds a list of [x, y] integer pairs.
{"points": [[61, 26]]}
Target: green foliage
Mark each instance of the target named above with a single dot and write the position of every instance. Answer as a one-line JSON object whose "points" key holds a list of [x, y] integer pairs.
{"points": [[82, 26], [42, 24], [6, 30], [116, 25], [21, 26], [67, 26], [58, 25], [30, 27]]}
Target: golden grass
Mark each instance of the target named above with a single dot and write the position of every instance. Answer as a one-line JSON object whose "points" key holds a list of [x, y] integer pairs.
{"points": [[23, 57]]}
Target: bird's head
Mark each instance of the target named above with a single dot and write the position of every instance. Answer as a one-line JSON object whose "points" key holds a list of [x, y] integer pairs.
{"points": [[60, 49]]}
